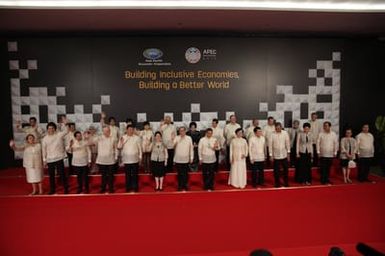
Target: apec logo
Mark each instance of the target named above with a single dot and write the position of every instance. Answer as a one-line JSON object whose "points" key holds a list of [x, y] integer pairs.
{"points": [[152, 53], [193, 55]]}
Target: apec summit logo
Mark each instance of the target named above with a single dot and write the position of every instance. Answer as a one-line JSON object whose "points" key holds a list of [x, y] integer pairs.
{"points": [[153, 57], [194, 55]]}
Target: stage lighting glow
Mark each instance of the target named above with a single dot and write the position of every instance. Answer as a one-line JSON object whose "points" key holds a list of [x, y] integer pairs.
{"points": [[294, 5]]}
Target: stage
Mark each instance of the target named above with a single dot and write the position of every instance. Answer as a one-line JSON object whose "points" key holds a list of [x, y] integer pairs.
{"points": [[298, 220]]}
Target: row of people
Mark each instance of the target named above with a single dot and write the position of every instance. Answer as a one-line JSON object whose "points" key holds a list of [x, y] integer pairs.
{"points": [[180, 148]]}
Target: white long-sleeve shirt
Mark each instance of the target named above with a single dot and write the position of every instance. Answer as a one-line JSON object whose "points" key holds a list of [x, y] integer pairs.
{"points": [[107, 150], [36, 131], [238, 148], [81, 153], [53, 147], [32, 156], [184, 149], [257, 149], [327, 144], [229, 132], [206, 150], [346, 145], [315, 129], [365, 144], [304, 143], [67, 141], [250, 132], [218, 134], [267, 131], [168, 131], [147, 138], [279, 145], [131, 149]]}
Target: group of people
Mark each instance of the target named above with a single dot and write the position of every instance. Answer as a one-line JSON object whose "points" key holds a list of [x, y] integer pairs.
{"points": [[187, 149]]}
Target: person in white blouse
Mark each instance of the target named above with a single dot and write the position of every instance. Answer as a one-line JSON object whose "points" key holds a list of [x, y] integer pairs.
{"points": [[159, 155], [279, 150], [229, 133], [304, 152], [81, 161], [168, 131], [315, 130], [238, 154], [32, 162], [218, 134], [348, 151], [90, 136], [147, 136], [184, 154], [327, 147], [33, 128], [250, 130], [365, 144], [107, 158], [257, 155], [206, 151], [131, 147], [268, 129], [53, 155]]}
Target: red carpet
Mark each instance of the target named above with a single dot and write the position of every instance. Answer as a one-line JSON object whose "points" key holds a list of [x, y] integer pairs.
{"points": [[294, 221]]}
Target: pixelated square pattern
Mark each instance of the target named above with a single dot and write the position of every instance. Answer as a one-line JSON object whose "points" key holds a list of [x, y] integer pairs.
{"points": [[38, 96]]}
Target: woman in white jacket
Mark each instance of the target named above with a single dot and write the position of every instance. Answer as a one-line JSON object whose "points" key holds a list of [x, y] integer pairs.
{"points": [[32, 162]]}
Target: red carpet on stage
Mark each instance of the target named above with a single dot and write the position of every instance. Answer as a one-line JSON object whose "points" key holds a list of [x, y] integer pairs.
{"points": [[288, 221]]}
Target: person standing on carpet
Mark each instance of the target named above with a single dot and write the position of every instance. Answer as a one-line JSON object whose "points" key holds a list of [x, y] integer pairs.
{"points": [[107, 158], [293, 134], [168, 131], [327, 147], [348, 151], [316, 129], [54, 153], [195, 136], [184, 155], [131, 147], [147, 137], [229, 134], [32, 162], [279, 146], [159, 155], [90, 135], [267, 131], [365, 144], [238, 154], [81, 161], [206, 150], [218, 134], [257, 154], [304, 152]]}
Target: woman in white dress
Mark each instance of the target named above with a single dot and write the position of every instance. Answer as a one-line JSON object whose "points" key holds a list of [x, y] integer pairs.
{"points": [[238, 154], [32, 162]]}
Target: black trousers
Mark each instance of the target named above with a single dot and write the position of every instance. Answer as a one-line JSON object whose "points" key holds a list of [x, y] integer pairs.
{"points": [[59, 166], [257, 173], [278, 163], [182, 174], [216, 167], [107, 172], [315, 156], [304, 168], [83, 179], [363, 168], [170, 160], [70, 167], [208, 174], [132, 176], [325, 164]]}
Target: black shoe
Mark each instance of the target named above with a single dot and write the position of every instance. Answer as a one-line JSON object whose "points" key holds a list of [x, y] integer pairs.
{"points": [[102, 191], [79, 191], [51, 192], [66, 191], [277, 185], [111, 191], [286, 185]]}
